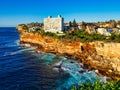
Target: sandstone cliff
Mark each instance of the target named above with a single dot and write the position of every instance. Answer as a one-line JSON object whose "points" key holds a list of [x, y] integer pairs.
{"points": [[104, 57]]}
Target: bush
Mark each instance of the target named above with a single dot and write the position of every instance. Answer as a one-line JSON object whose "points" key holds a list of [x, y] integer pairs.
{"points": [[25, 27], [86, 37], [49, 34], [111, 85]]}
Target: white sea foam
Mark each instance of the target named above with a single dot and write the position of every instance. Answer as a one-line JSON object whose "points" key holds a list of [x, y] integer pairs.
{"points": [[19, 51], [75, 77], [16, 42], [58, 63]]}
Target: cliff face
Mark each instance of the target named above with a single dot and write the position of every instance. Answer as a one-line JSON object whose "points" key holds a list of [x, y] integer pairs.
{"points": [[49, 44], [110, 53], [104, 57]]}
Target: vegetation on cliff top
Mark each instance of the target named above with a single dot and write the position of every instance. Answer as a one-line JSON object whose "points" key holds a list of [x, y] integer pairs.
{"points": [[111, 85], [78, 35], [24, 26], [82, 36]]}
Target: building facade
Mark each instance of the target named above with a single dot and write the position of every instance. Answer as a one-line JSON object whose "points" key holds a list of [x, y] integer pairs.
{"points": [[55, 25]]}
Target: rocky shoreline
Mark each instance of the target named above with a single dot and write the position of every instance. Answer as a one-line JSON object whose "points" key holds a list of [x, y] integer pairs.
{"points": [[100, 56]]}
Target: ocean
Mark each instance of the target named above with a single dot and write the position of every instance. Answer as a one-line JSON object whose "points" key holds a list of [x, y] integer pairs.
{"points": [[25, 69]]}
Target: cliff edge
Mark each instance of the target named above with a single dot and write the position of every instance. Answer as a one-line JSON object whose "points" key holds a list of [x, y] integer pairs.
{"points": [[104, 57]]}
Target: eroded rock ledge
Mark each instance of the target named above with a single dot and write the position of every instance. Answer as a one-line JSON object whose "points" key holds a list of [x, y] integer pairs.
{"points": [[104, 57]]}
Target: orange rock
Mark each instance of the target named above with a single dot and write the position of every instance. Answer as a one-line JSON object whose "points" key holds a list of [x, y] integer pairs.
{"points": [[87, 53]]}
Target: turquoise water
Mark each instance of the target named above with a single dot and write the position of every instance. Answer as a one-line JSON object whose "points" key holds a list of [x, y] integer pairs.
{"points": [[24, 68], [69, 70]]}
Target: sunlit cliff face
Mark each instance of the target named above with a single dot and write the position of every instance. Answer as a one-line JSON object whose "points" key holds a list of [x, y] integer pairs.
{"points": [[96, 55]]}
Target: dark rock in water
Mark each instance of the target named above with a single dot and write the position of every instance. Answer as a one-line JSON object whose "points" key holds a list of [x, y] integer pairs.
{"points": [[71, 62], [57, 66], [82, 71], [81, 65]]}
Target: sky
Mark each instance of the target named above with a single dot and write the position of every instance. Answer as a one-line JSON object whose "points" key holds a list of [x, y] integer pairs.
{"points": [[14, 12]]}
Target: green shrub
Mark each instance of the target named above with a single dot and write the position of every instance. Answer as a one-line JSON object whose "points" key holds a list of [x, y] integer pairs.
{"points": [[111, 85], [48, 34], [25, 27], [86, 37]]}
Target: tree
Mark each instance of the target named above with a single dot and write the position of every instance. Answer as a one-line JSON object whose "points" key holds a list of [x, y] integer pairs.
{"points": [[83, 25], [74, 23], [70, 23]]}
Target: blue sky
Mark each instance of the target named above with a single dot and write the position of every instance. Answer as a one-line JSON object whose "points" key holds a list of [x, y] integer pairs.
{"points": [[13, 12]]}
